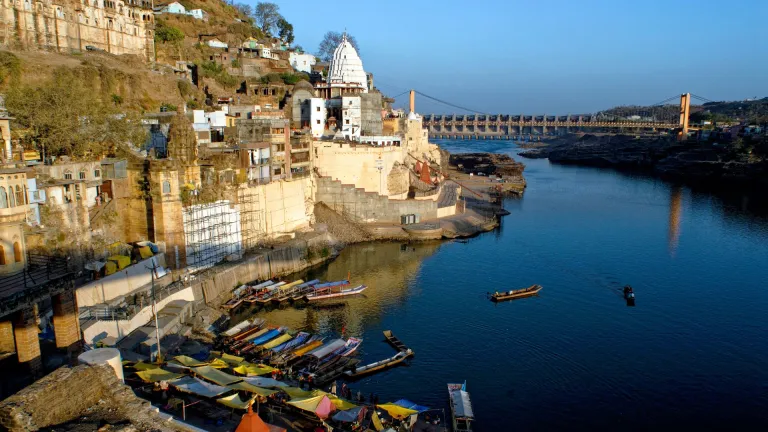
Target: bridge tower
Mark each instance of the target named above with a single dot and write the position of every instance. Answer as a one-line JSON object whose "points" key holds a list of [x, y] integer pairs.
{"points": [[685, 111], [412, 101]]}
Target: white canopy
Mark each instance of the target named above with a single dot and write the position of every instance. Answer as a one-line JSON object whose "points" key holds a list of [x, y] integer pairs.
{"points": [[328, 348]]}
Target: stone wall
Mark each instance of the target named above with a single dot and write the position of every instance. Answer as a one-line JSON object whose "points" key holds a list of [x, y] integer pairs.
{"points": [[83, 393], [116, 27], [361, 206], [358, 164], [370, 109], [118, 284]]}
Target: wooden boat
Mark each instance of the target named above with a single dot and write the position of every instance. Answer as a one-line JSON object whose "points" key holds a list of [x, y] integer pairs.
{"points": [[353, 344], [516, 294], [244, 335], [330, 375], [381, 364], [232, 303], [334, 293], [394, 341], [461, 408]]}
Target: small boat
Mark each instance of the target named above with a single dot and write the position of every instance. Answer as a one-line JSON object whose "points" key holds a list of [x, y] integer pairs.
{"points": [[461, 408], [394, 341], [334, 293], [295, 342], [232, 303], [516, 294], [381, 364], [268, 336], [352, 345], [629, 295]]}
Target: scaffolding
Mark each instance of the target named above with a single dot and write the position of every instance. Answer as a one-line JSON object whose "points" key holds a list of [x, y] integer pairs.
{"points": [[251, 217], [212, 233]]}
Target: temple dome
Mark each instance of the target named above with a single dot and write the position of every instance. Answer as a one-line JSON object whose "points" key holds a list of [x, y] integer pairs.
{"points": [[346, 66]]}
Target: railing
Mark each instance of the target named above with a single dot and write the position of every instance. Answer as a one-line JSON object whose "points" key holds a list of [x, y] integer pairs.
{"points": [[127, 311], [40, 270]]}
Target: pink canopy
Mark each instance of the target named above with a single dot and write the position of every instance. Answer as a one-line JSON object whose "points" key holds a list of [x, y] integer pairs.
{"points": [[320, 405]]}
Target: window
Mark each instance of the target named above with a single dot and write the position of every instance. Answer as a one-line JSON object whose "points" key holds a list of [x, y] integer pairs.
{"points": [[3, 198], [11, 201], [318, 121], [350, 103], [347, 121], [166, 187], [81, 175], [2, 255], [17, 252], [97, 172], [19, 196], [36, 195], [67, 175], [317, 109]]}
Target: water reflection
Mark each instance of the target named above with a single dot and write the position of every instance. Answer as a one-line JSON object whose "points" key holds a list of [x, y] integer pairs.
{"points": [[386, 268], [675, 211]]}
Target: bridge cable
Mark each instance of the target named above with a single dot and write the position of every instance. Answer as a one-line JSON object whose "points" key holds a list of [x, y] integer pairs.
{"points": [[450, 104], [705, 100]]}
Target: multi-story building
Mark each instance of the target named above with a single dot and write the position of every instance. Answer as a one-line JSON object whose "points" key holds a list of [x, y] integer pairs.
{"points": [[115, 26]]}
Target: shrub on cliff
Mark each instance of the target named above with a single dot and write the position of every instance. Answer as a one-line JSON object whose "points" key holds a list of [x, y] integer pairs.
{"points": [[168, 33]]}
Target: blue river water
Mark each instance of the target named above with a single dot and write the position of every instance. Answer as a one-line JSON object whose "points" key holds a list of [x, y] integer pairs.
{"points": [[692, 353]]}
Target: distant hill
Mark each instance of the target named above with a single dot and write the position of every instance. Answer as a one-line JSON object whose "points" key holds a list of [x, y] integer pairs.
{"points": [[754, 111]]}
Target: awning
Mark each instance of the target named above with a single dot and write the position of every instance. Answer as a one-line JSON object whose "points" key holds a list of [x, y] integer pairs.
{"points": [[144, 366], [462, 405], [198, 387], [296, 393], [122, 261], [218, 364], [230, 359], [234, 401], [328, 348], [319, 405], [265, 382], [287, 287], [277, 341], [216, 376], [237, 328], [351, 415], [253, 370], [405, 403], [189, 361], [397, 411], [250, 388], [157, 375]]}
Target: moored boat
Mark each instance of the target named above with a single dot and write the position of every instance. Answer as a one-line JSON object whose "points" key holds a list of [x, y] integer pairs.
{"points": [[335, 292], [461, 407], [516, 294], [381, 364]]}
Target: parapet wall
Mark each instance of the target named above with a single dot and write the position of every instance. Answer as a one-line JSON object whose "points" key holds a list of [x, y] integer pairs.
{"points": [[361, 206]]}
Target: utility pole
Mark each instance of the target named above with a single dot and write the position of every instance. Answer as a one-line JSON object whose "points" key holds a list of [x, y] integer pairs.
{"points": [[154, 312]]}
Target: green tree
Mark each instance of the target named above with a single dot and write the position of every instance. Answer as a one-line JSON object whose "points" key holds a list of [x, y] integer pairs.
{"points": [[285, 30], [330, 41], [266, 15], [168, 33]]}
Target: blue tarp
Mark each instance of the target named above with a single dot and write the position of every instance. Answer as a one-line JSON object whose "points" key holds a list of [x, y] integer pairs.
{"points": [[331, 284], [308, 284], [405, 403], [349, 416], [298, 340], [266, 337]]}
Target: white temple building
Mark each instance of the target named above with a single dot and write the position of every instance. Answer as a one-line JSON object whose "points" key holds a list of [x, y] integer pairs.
{"points": [[346, 66]]}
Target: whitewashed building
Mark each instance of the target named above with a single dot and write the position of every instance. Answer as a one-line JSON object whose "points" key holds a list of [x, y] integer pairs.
{"points": [[215, 43], [318, 116], [302, 62], [346, 66], [351, 117]]}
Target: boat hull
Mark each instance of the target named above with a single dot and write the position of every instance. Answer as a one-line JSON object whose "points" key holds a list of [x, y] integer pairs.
{"points": [[504, 297], [353, 291]]}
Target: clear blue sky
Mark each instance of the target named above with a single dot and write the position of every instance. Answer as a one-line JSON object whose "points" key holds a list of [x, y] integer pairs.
{"points": [[554, 56]]}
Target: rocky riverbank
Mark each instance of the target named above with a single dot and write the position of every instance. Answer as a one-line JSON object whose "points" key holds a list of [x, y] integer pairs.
{"points": [[483, 172], [700, 163]]}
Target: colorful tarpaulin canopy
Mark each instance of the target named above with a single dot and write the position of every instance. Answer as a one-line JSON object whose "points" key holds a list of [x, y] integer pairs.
{"points": [[296, 393], [405, 403], [189, 361], [234, 401], [253, 370], [216, 376], [218, 364], [230, 359], [277, 341], [376, 421], [265, 382], [338, 402], [397, 411], [320, 405], [198, 387], [144, 366], [287, 287], [156, 375], [351, 415], [250, 388]]}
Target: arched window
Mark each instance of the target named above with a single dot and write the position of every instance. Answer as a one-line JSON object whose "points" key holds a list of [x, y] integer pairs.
{"points": [[68, 174], [2, 255], [11, 201], [17, 252], [166, 187], [82, 174], [3, 198], [19, 196]]}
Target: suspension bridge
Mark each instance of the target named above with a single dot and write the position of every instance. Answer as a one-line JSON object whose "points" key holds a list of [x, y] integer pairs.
{"points": [[665, 116]]}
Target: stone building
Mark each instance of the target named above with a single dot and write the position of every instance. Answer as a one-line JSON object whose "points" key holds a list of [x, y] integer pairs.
{"points": [[115, 26]]}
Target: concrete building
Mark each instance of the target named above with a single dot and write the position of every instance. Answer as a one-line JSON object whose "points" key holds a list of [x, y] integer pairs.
{"points": [[346, 68], [302, 62], [198, 14], [215, 43], [115, 26], [79, 181], [351, 119], [171, 8], [318, 116], [301, 97]]}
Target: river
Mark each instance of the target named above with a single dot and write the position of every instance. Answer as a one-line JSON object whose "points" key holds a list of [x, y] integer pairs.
{"points": [[691, 354]]}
